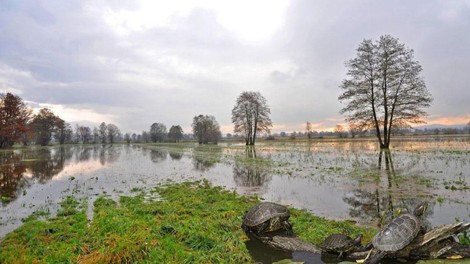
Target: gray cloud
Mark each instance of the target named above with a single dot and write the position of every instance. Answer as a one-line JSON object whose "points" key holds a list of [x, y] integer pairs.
{"points": [[65, 53]]}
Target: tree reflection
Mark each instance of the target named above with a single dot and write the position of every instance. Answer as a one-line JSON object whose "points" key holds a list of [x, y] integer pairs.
{"points": [[109, 154], [382, 203], [206, 157], [176, 155], [158, 155], [19, 169], [11, 176], [45, 165], [248, 173]]}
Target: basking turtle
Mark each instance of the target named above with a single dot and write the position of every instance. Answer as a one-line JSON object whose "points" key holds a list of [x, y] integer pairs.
{"points": [[397, 234], [267, 217], [339, 243]]}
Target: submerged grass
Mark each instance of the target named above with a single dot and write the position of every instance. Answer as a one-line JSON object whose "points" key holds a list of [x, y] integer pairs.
{"points": [[192, 223]]}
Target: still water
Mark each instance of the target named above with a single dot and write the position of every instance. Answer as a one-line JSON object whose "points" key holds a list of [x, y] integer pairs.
{"points": [[336, 179]]}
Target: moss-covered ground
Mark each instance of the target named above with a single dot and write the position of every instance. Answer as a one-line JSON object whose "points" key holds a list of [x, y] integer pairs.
{"points": [[191, 222]]}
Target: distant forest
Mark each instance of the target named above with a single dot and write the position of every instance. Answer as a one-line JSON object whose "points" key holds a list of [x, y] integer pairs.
{"points": [[20, 125]]}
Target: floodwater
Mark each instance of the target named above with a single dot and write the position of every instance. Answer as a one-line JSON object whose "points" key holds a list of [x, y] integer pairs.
{"points": [[336, 179]]}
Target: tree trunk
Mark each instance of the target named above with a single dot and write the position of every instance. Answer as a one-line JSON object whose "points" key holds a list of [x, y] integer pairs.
{"points": [[437, 243]]}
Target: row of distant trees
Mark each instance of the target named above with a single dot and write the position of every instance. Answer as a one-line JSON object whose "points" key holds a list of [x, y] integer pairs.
{"points": [[205, 130], [250, 116], [18, 124]]}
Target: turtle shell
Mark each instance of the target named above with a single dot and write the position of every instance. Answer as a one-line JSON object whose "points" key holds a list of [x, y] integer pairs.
{"points": [[397, 234], [340, 242], [263, 212]]}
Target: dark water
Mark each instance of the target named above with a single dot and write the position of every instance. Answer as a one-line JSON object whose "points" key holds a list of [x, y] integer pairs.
{"points": [[338, 180]]}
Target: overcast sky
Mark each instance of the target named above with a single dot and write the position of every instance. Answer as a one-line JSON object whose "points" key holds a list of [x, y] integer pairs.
{"points": [[133, 63]]}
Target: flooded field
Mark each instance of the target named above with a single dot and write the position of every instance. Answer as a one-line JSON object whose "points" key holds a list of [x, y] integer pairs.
{"points": [[336, 179]]}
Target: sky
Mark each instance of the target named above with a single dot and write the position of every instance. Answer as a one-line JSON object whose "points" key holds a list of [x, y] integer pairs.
{"points": [[136, 62]]}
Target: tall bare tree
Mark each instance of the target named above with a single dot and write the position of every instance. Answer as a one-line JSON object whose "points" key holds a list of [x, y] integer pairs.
{"points": [[308, 130], [103, 132], [43, 125], [251, 115], [63, 131], [206, 129], [158, 132], [384, 89], [85, 134], [175, 133], [113, 132]]}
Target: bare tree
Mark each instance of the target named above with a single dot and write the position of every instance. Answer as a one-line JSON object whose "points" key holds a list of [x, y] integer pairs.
{"points": [[63, 131], [43, 125], [251, 115], [145, 136], [206, 129], [384, 89], [85, 134], [158, 132], [340, 132], [175, 133], [113, 132], [96, 135], [103, 130], [308, 130], [127, 137]]}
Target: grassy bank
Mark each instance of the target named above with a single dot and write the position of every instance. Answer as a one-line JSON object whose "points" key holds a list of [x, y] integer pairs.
{"points": [[188, 223]]}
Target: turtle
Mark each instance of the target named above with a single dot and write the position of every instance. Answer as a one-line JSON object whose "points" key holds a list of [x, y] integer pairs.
{"points": [[397, 234], [339, 243], [267, 217]]}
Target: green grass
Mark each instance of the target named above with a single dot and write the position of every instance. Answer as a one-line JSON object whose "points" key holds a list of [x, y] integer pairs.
{"points": [[192, 223]]}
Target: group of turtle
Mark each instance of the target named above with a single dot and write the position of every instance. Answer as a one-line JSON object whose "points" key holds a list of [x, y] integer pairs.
{"points": [[268, 217]]}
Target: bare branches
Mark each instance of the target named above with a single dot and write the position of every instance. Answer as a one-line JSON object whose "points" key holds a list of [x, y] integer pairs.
{"points": [[251, 115], [384, 89]]}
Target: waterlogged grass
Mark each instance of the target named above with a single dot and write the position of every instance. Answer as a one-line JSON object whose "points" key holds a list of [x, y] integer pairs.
{"points": [[189, 223]]}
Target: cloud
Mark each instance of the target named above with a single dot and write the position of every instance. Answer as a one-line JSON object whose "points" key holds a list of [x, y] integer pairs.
{"points": [[139, 62]]}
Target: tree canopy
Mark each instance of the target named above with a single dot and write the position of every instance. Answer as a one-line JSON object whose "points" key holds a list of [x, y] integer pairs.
{"points": [[251, 115], [44, 124], [14, 118], [384, 89], [176, 133], [206, 129], [158, 132]]}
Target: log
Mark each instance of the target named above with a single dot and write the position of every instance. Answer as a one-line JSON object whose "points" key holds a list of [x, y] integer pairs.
{"points": [[439, 242], [286, 242]]}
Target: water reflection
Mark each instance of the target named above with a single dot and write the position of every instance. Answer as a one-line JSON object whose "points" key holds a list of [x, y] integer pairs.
{"points": [[44, 164], [261, 253], [158, 155], [206, 157], [383, 200], [176, 155], [19, 169], [11, 176], [248, 173]]}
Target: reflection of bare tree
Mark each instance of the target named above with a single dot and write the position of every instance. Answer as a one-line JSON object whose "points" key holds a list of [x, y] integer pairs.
{"points": [[109, 154], [45, 165], [378, 203], [176, 155], [206, 157], [84, 154], [250, 152], [11, 175], [157, 155], [249, 173]]}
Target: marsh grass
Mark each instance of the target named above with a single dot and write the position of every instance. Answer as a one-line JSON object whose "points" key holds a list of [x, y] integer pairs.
{"points": [[193, 222]]}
